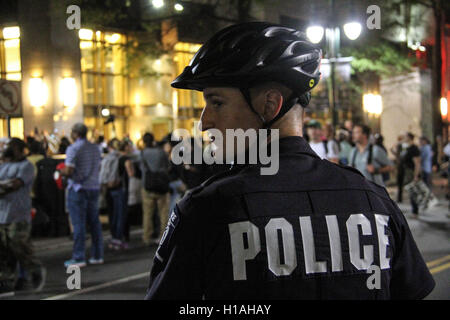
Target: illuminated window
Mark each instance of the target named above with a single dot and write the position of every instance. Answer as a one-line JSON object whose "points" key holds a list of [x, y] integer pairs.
{"points": [[16, 128], [10, 67], [184, 52], [102, 67]]}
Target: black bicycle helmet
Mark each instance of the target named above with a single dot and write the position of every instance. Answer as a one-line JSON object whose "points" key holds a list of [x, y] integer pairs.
{"points": [[246, 54]]}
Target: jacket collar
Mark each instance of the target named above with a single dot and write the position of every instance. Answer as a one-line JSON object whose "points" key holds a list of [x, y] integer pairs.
{"points": [[296, 144], [291, 144]]}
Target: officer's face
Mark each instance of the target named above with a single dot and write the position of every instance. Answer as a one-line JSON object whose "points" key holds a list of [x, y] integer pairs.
{"points": [[226, 108]]}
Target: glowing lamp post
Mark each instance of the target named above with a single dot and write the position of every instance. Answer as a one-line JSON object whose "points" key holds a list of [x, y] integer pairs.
{"points": [[315, 34]]}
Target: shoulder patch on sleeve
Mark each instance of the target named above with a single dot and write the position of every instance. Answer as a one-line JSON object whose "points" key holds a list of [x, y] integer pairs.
{"points": [[163, 250]]}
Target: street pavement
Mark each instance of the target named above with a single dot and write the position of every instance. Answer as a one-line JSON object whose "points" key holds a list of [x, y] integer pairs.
{"points": [[125, 274]]}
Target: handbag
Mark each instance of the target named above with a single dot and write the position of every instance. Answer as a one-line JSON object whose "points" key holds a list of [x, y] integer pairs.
{"points": [[421, 195], [155, 181]]}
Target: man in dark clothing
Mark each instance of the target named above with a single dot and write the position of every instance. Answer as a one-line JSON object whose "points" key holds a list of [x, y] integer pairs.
{"points": [[397, 150], [410, 161], [311, 230]]}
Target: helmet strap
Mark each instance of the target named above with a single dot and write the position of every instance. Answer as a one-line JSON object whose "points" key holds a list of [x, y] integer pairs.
{"points": [[287, 105], [246, 93]]}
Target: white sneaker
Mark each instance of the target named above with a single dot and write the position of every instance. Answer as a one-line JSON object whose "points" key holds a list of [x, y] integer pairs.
{"points": [[96, 261]]}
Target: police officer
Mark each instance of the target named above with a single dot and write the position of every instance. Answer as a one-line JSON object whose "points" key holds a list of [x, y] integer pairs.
{"points": [[313, 230]]}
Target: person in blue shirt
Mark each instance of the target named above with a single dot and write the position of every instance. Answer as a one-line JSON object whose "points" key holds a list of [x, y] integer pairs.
{"points": [[82, 167], [426, 158]]}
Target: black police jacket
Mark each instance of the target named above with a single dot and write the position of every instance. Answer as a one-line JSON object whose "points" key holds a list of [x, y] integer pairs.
{"points": [[314, 230]]}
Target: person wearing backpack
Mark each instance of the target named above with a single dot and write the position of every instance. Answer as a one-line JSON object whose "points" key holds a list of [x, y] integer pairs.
{"points": [[155, 188], [371, 160], [111, 181]]}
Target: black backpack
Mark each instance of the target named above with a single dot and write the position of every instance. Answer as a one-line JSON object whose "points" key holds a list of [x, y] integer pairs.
{"points": [[155, 181]]}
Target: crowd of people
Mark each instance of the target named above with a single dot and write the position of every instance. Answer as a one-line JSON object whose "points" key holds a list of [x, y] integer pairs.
{"points": [[356, 146], [50, 185], [141, 185]]}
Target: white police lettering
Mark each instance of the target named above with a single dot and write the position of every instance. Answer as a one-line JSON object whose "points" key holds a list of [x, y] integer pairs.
{"points": [[273, 247], [238, 251], [279, 233], [383, 240], [309, 250], [353, 241], [335, 244]]}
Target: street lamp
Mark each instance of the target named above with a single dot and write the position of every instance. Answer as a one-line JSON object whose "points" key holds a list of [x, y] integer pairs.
{"points": [[352, 30], [332, 34], [178, 7], [158, 3], [315, 33]]}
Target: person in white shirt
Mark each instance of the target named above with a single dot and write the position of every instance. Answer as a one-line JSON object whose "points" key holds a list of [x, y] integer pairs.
{"points": [[328, 150]]}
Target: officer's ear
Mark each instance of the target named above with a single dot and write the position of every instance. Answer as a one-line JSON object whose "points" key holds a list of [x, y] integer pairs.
{"points": [[273, 100]]}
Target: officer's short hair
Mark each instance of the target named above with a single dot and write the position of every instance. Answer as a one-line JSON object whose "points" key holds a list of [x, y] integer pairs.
{"points": [[365, 129], [410, 135], [80, 129], [285, 91]]}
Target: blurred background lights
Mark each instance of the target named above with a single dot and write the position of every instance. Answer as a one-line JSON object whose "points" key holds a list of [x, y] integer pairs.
{"points": [[11, 33], [105, 112], [178, 7], [352, 30], [158, 3], [444, 107], [85, 34], [68, 92], [315, 33], [38, 92], [372, 104]]}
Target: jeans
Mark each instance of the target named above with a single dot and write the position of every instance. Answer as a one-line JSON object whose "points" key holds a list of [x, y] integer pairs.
{"points": [[16, 247], [83, 205], [118, 220], [174, 195], [426, 177]]}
